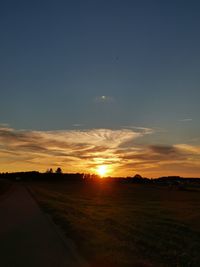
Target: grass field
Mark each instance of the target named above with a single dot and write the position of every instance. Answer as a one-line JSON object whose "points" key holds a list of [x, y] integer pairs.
{"points": [[126, 225]]}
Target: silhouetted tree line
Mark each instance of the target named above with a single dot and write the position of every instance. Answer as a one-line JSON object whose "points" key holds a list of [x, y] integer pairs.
{"points": [[58, 175], [47, 176]]}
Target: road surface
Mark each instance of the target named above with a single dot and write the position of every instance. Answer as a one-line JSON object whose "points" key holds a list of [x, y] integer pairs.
{"points": [[28, 238]]}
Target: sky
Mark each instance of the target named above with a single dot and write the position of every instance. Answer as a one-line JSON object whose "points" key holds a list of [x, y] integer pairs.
{"points": [[91, 83]]}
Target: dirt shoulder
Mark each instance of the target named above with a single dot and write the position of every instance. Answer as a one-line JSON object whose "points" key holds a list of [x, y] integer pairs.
{"points": [[5, 186]]}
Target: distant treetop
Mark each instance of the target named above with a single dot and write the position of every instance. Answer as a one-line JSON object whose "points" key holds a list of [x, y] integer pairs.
{"points": [[59, 170], [137, 176]]}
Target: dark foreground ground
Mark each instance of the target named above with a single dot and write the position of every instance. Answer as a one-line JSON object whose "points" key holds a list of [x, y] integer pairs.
{"points": [[27, 237], [126, 225]]}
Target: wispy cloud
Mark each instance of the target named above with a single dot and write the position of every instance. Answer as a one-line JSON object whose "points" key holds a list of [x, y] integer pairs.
{"points": [[73, 149], [77, 125], [186, 120], [189, 148], [140, 129], [84, 150]]}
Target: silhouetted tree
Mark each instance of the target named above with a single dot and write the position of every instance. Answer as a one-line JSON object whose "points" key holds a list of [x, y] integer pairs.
{"points": [[49, 170], [59, 170], [138, 176], [138, 179]]}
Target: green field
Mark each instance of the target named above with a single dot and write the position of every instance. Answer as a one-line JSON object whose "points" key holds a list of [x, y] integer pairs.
{"points": [[125, 225]]}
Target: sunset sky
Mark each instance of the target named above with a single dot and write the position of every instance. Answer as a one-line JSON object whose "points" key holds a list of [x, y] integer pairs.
{"points": [[112, 83]]}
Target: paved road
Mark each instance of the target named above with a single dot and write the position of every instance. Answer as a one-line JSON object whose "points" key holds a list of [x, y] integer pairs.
{"points": [[28, 238]]}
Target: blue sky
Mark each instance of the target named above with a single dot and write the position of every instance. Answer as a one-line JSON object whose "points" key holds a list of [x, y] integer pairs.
{"points": [[59, 58]]}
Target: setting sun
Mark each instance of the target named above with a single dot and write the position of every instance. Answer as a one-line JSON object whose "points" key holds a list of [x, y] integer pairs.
{"points": [[102, 170]]}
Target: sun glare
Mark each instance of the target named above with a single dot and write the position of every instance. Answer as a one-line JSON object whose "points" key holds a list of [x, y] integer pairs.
{"points": [[102, 170]]}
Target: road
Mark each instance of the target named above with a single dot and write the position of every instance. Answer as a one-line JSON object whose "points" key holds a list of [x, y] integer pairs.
{"points": [[28, 238]]}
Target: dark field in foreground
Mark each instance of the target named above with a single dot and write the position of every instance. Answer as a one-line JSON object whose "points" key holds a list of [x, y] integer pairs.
{"points": [[124, 225]]}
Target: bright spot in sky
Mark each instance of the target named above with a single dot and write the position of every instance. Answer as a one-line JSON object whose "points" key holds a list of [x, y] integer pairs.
{"points": [[102, 170], [104, 99]]}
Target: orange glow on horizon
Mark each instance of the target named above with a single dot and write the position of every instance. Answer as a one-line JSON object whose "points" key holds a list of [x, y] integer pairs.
{"points": [[96, 151]]}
